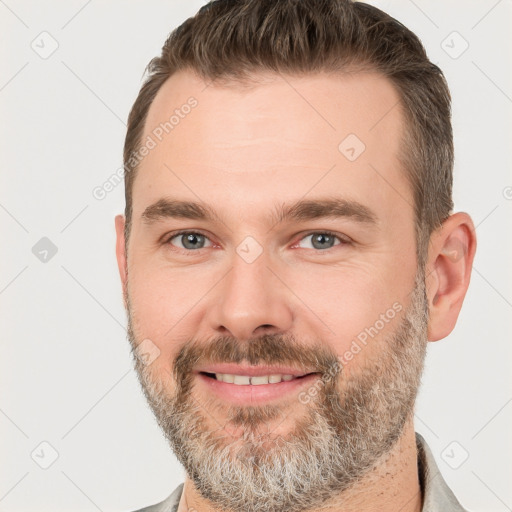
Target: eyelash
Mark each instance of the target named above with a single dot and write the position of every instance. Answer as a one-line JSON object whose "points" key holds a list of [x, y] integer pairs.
{"points": [[168, 239]]}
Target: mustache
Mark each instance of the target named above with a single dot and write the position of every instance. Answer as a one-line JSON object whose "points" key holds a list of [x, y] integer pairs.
{"points": [[269, 349]]}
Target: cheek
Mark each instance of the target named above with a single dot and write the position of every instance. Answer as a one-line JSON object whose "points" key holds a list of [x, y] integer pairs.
{"points": [[350, 307], [162, 295], [165, 303]]}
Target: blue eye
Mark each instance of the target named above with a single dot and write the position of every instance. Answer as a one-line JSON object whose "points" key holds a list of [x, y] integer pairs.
{"points": [[190, 240], [322, 240]]}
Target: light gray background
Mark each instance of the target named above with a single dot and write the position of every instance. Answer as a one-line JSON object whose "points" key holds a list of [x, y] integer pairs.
{"points": [[66, 373]]}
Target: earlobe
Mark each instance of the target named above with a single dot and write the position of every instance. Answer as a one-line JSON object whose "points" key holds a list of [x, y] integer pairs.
{"points": [[450, 261], [121, 251]]}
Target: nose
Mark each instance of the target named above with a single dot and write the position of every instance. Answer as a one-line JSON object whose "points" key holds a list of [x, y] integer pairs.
{"points": [[251, 301]]}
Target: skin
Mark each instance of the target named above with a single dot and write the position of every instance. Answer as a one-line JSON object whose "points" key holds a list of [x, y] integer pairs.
{"points": [[243, 151]]}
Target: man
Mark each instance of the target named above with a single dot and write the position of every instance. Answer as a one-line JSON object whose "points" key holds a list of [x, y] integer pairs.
{"points": [[288, 248]]}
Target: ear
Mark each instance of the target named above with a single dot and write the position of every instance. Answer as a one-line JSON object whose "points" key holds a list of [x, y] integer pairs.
{"points": [[450, 259], [121, 252]]}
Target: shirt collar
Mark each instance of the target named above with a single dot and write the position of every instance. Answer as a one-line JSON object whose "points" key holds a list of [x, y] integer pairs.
{"points": [[437, 496]]}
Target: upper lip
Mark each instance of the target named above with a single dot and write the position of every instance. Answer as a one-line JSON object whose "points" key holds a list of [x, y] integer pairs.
{"points": [[252, 371]]}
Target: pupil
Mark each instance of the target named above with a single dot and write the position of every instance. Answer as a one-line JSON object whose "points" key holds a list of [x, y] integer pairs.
{"points": [[322, 239], [192, 240]]}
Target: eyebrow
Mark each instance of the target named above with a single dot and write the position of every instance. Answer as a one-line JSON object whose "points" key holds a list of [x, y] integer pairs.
{"points": [[301, 210]]}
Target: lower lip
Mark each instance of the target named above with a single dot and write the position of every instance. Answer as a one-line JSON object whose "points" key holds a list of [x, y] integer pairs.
{"points": [[256, 394]]}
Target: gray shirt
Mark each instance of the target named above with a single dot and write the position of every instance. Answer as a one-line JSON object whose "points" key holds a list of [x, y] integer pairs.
{"points": [[437, 496]]}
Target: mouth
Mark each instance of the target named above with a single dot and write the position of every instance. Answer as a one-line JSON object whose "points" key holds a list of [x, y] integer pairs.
{"points": [[254, 380], [254, 389]]}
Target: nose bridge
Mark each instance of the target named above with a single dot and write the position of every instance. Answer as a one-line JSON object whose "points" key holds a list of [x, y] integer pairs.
{"points": [[251, 298]]}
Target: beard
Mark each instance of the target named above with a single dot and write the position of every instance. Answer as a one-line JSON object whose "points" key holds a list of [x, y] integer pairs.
{"points": [[347, 427]]}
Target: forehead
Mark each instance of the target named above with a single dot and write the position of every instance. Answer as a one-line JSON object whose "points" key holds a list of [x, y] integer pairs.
{"points": [[331, 104], [275, 137]]}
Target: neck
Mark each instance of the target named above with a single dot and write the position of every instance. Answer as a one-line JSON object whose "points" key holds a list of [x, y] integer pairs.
{"points": [[392, 485]]}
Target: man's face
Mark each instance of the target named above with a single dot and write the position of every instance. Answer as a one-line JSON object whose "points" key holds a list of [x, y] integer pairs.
{"points": [[334, 293]]}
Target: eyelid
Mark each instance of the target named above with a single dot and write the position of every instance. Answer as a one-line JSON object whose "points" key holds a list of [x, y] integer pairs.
{"points": [[344, 239], [166, 239]]}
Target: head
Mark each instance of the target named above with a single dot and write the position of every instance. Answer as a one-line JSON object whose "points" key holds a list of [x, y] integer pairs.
{"points": [[288, 202], [235, 42]]}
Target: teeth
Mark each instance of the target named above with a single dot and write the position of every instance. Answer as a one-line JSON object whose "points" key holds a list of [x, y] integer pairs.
{"points": [[241, 379], [244, 380]]}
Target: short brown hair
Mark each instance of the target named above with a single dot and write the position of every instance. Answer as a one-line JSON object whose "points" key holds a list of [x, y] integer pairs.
{"points": [[232, 40]]}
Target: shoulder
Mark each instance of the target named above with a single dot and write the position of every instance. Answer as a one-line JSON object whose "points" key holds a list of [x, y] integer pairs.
{"points": [[437, 496], [170, 504]]}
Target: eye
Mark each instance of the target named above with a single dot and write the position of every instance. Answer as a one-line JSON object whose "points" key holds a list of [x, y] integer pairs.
{"points": [[189, 240], [322, 240]]}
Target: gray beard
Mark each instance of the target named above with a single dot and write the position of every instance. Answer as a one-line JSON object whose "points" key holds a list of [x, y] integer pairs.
{"points": [[348, 428]]}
